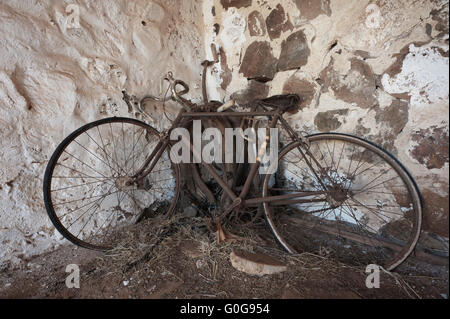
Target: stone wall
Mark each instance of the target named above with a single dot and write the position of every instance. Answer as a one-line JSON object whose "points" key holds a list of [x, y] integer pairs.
{"points": [[58, 72], [377, 69]]}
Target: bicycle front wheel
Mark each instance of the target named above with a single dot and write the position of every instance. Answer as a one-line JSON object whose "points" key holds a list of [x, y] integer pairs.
{"points": [[355, 201], [87, 190]]}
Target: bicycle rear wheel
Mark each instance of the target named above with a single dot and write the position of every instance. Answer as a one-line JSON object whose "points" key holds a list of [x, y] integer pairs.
{"points": [[86, 184], [363, 207]]}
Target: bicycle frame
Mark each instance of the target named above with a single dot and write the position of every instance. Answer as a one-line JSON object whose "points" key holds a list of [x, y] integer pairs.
{"points": [[323, 186], [184, 118]]}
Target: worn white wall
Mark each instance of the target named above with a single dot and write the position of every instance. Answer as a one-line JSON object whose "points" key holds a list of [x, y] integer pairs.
{"points": [[380, 72], [56, 76]]}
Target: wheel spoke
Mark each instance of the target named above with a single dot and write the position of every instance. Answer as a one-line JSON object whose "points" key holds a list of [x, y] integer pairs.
{"points": [[363, 189], [86, 193]]}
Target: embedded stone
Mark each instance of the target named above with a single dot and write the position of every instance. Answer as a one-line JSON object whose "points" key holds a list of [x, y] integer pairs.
{"points": [[385, 139], [436, 210], [441, 16], [235, 3], [254, 90], [328, 121], [294, 52], [226, 75], [311, 9], [392, 119], [277, 22], [306, 90], [432, 147], [255, 263], [395, 116], [256, 25], [259, 62], [357, 86]]}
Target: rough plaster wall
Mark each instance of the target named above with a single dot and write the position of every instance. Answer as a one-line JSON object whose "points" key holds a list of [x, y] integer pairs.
{"points": [[377, 69], [54, 79], [386, 81]]}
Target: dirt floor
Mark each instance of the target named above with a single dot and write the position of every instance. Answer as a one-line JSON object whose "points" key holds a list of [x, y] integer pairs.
{"points": [[180, 258]]}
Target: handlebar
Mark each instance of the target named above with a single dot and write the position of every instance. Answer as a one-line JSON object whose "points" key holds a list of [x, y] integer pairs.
{"points": [[183, 84], [175, 95]]}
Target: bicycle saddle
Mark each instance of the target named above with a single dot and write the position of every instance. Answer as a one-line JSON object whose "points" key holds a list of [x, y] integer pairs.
{"points": [[284, 102]]}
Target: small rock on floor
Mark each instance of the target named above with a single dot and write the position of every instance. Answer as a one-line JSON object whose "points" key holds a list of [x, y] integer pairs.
{"points": [[255, 263]]}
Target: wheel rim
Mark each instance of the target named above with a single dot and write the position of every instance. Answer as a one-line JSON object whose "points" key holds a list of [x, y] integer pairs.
{"points": [[87, 187], [370, 197]]}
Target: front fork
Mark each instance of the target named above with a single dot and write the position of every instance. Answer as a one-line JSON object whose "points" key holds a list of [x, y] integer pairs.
{"points": [[305, 150], [157, 152]]}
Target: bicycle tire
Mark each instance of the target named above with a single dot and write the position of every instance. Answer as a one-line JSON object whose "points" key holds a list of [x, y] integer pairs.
{"points": [[394, 163], [57, 154]]}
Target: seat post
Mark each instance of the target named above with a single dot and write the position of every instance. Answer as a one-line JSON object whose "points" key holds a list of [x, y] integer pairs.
{"points": [[206, 64]]}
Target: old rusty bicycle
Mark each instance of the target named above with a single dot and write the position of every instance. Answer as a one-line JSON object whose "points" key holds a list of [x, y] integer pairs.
{"points": [[330, 190]]}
